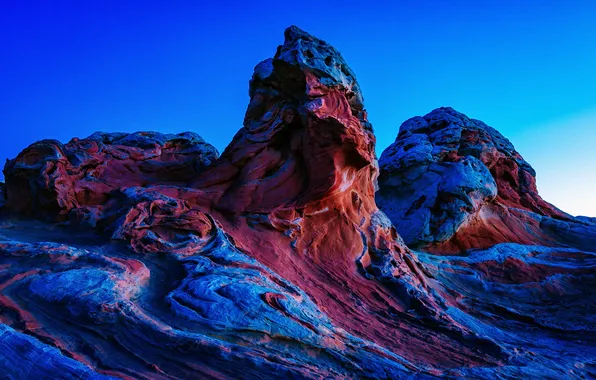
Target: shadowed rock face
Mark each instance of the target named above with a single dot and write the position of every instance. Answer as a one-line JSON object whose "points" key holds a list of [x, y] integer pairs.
{"points": [[451, 183], [2, 195], [271, 261]]}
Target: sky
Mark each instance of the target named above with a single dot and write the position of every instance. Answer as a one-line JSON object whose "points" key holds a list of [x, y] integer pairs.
{"points": [[527, 68]]}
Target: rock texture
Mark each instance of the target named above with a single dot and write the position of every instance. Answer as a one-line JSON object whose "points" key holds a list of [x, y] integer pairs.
{"points": [[56, 179], [539, 298], [2, 195], [451, 183], [154, 258], [295, 188]]}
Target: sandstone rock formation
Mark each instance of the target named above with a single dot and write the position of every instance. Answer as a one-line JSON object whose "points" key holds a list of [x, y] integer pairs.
{"points": [[55, 179], [271, 261], [450, 183]]}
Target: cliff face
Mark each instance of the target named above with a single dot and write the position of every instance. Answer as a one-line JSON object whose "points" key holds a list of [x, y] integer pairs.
{"points": [[272, 260], [451, 183]]}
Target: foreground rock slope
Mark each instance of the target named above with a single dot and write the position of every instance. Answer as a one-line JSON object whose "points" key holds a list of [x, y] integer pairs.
{"points": [[153, 257]]}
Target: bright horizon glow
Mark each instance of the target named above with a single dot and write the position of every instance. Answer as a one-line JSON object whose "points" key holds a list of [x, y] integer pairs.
{"points": [[525, 68], [563, 157]]}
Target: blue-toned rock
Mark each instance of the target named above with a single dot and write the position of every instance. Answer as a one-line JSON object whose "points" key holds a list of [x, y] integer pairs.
{"points": [[24, 357], [451, 183]]}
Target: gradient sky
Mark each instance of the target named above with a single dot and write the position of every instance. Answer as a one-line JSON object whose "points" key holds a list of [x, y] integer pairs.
{"points": [[528, 68]]}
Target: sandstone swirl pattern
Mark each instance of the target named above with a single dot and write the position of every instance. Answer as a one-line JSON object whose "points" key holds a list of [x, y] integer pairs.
{"points": [[151, 256]]}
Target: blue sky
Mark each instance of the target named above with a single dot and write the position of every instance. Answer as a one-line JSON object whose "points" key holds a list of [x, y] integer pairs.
{"points": [[524, 67]]}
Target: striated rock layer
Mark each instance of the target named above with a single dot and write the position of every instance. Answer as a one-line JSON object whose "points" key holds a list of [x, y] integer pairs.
{"points": [[451, 183], [270, 261]]}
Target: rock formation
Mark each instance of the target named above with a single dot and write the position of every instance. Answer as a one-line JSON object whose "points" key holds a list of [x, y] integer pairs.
{"points": [[152, 257], [57, 179], [451, 183]]}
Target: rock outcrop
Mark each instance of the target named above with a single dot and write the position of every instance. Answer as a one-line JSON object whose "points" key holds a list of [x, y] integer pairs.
{"points": [[295, 188], [270, 261], [305, 135], [53, 179], [451, 183]]}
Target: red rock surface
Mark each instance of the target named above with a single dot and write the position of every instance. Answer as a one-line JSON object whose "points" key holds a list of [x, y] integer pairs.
{"points": [[54, 178]]}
